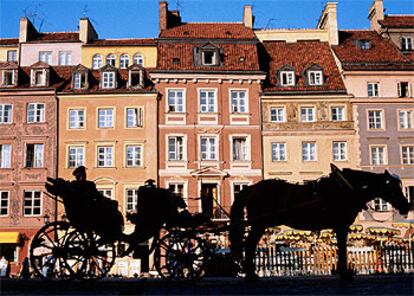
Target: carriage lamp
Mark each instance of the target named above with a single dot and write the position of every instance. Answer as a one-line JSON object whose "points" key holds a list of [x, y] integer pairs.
{"points": [[46, 218]]}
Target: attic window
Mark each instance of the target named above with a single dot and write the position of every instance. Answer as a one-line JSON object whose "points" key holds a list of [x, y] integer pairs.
{"points": [[364, 44], [208, 57], [108, 80], [79, 80], [287, 78], [176, 61], [8, 78], [136, 79], [315, 77], [39, 77]]}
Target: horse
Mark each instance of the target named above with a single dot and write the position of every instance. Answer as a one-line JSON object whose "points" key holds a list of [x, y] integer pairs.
{"points": [[330, 202]]}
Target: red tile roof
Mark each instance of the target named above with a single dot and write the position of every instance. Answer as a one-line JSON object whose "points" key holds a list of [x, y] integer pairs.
{"points": [[382, 54], [398, 21], [9, 41], [142, 41], [300, 56], [56, 36], [235, 57], [209, 31]]}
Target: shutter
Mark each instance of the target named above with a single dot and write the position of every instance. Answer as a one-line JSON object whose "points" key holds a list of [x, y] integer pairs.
{"points": [[196, 56], [140, 119], [399, 89]]}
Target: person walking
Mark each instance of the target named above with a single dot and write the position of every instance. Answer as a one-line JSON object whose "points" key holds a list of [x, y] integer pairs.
{"points": [[25, 271]]}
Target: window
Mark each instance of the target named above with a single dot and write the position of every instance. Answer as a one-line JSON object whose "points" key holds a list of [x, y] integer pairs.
{"points": [[133, 155], [32, 203], [175, 148], [373, 89], [237, 188], [131, 201], [338, 113], [106, 192], [110, 59], [407, 154], [12, 55], [6, 111], [207, 101], [339, 151], [403, 89], [277, 115], [175, 100], [209, 57], [39, 77], [35, 112], [96, 61], [65, 58], [287, 78], [208, 148], [108, 80], [7, 78], [240, 149], [278, 151], [378, 155], [406, 43], [79, 80], [76, 156], [5, 156], [406, 119], [106, 118], [134, 117], [381, 205], [34, 155], [315, 77], [375, 119], [177, 189], [124, 61], [76, 118], [238, 101], [136, 79], [45, 56], [364, 44], [409, 193], [4, 203], [138, 59], [307, 114], [105, 156], [309, 151]]}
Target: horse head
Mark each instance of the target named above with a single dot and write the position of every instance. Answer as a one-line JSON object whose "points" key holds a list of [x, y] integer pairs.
{"points": [[391, 191]]}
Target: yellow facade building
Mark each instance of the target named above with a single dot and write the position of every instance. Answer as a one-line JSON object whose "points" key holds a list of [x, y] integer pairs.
{"points": [[9, 50]]}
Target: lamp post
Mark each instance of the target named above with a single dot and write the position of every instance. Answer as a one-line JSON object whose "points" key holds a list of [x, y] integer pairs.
{"points": [[46, 218]]}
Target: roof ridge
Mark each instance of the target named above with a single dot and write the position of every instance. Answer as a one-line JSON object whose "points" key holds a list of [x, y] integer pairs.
{"points": [[128, 38], [210, 23], [59, 32], [397, 15]]}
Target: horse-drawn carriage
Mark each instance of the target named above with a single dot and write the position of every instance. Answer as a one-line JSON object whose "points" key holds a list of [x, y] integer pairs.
{"points": [[83, 245]]}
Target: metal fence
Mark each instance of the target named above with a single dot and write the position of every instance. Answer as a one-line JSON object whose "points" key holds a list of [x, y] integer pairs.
{"points": [[322, 260]]}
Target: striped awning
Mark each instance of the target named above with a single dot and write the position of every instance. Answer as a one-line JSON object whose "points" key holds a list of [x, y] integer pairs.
{"points": [[9, 237]]}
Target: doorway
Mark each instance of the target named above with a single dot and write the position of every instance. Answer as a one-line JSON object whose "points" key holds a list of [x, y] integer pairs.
{"points": [[209, 200]]}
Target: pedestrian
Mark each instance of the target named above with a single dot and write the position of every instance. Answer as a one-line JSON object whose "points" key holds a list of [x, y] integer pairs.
{"points": [[3, 267], [25, 271]]}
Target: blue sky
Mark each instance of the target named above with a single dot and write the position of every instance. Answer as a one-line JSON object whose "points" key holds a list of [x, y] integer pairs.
{"points": [[139, 18]]}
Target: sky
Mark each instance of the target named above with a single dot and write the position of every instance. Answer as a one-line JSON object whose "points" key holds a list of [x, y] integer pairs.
{"points": [[139, 18]]}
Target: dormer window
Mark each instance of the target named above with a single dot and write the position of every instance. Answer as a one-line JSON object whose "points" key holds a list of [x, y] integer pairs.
{"points": [[135, 79], [315, 77], [110, 59], [364, 44], [406, 43], [8, 78], [80, 80], [208, 57], [287, 78], [108, 79], [39, 77]]}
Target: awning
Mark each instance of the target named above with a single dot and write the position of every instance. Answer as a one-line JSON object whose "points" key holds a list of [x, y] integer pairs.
{"points": [[9, 237]]}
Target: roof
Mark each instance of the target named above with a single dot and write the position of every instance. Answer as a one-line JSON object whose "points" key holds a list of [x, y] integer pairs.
{"points": [[115, 42], [209, 31], [382, 54], [56, 36], [235, 57], [301, 56], [9, 41], [397, 21]]}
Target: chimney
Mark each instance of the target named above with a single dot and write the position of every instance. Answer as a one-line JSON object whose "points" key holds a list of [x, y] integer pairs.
{"points": [[163, 16], [329, 22], [27, 30], [86, 30], [248, 16], [375, 14]]}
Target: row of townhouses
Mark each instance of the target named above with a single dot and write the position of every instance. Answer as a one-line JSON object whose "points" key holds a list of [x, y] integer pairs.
{"points": [[204, 109]]}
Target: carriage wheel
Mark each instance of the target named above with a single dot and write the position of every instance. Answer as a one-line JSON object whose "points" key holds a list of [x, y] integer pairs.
{"points": [[181, 257], [48, 252], [97, 257]]}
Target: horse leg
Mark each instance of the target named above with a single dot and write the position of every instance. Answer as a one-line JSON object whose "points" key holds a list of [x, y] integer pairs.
{"points": [[252, 240], [344, 273]]}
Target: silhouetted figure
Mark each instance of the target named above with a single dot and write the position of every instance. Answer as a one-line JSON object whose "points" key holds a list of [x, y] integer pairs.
{"points": [[25, 271], [86, 189], [3, 267]]}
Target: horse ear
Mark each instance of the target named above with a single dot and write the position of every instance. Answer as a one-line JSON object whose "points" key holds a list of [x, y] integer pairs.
{"points": [[334, 168], [386, 172]]}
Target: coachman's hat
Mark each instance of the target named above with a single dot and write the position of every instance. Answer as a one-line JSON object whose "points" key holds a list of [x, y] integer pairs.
{"points": [[79, 170], [149, 182]]}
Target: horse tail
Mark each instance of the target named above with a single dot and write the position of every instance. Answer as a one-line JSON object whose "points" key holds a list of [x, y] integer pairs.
{"points": [[237, 223]]}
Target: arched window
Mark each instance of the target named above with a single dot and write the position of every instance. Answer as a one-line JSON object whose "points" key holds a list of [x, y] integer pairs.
{"points": [[139, 59], [96, 61], [124, 61], [110, 59]]}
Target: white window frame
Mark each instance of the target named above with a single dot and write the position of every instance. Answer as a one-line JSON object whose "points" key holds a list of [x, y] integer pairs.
{"points": [[108, 79], [39, 110], [107, 118], [381, 205], [12, 55], [32, 208], [407, 154], [309, 151], [237, 183], [6, 119], [4, 203], [373, 90], [96, 61], [336, 114], [238, 104], [65, 58], [246, 153], [3, 77], [315, 77], [131, 201], [38, 155], [278, 151], [5, 155], [378, 155], [76, 118], [408, 94], [110, 59], [105, 156], [406, 43], [287, 78], [78, 153], [406, 119], [124, 61], [175, 190], [306, 116], [208, 106], [213, 59], [107, 192], [42, 80], [135, 157], [179, 153], [278, 114], [45, 56], [211, 148], [133, 117], [138, 59], [375, 122], [176, 106], [339, 151]]}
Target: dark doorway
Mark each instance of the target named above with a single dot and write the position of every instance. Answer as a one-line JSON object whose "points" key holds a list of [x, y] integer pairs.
{"points": [[209, 200]]}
